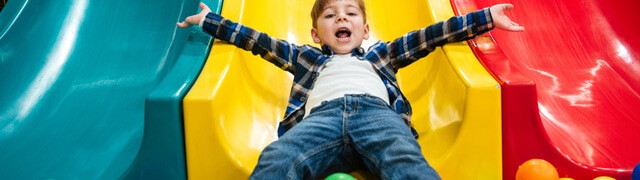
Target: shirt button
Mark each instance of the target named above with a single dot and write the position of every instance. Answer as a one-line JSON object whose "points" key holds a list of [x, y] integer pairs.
{"points": [[303, 98]]}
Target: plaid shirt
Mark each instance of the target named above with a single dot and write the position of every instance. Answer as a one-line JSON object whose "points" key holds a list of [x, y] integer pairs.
{"points": [[304, 61]]}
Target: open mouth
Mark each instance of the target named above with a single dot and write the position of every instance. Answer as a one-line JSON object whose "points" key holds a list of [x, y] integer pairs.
{"points": [[343, 33]]}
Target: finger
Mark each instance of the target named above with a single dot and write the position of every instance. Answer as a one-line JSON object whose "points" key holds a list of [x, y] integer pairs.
{"points": [[516, 28], [189, 19], [204, 7], [181, 24], [507, 6]]}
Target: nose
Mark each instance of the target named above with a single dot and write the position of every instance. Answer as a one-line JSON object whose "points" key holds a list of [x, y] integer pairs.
{"points": [[341, 17]]}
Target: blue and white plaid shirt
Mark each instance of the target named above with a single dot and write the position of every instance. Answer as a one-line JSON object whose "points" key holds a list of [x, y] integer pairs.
{"points": [[304, 61]]}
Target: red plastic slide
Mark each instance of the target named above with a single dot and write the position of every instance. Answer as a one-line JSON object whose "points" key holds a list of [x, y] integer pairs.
{"points": [[570, 84]]}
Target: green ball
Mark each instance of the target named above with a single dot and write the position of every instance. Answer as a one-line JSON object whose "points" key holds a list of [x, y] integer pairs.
{"points": [[340, 176]]}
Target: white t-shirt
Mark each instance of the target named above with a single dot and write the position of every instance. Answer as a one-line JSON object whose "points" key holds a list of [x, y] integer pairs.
{"points": [[345, 74]]}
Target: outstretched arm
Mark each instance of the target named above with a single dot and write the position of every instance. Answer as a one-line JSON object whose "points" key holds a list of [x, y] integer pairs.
{"points": [[279, 52], [418, 44]]}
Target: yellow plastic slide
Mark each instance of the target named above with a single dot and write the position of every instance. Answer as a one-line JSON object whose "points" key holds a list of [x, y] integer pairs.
{"points": [[233, 110]]}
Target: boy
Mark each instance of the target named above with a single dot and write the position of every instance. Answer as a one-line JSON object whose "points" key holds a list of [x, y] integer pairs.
{"points": [[346, 110]]}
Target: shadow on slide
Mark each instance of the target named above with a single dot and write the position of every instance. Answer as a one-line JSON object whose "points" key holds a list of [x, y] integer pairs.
{"points": [[93, 89]]}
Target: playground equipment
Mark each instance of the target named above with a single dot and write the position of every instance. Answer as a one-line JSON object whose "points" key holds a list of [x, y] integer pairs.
{"points": [[96, 89]]}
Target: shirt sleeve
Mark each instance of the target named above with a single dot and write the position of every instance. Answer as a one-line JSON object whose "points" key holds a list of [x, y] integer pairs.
{"points": [[279, 52], [418, 44], [202, 22]]}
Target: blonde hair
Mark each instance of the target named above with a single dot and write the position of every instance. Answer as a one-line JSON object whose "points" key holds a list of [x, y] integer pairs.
{"points": [[320, 5]]}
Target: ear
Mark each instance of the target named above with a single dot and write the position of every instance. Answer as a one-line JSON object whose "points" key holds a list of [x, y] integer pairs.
{"points": [[314, 36], [366, 31]]}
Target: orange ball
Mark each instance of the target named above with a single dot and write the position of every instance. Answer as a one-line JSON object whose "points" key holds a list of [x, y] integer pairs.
{"points": [[603, 178], [536, 169]]}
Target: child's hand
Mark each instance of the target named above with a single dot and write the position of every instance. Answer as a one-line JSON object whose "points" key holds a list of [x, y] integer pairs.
{"points": [[195, 19], [501, 21]]}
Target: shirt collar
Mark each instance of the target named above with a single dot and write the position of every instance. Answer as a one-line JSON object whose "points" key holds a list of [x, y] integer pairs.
{"points": [[357, 52]]}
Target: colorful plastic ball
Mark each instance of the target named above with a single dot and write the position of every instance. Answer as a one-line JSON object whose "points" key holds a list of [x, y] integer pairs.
{"points": [[536, 169], [636, 173], [603, 178], [340, 176]]}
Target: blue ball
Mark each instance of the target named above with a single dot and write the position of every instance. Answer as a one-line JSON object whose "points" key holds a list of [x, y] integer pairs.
{"points": [[636, 173]]}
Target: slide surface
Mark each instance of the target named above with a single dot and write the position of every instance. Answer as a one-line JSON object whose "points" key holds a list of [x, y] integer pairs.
{"points": [[232, 111], [570, 85], [83, 81]]}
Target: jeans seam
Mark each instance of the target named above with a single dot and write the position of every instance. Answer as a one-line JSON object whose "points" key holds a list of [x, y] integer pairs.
{"points": [[355, 105], [345, 118], [369, 157], [304, 156]]}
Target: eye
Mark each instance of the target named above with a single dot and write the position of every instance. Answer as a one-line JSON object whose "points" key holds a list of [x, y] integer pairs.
{"points": [[329, 16], [352, 14]]}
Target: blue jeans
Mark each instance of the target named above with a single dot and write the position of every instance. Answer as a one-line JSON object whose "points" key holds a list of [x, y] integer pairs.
{"points": [[342, 135]]}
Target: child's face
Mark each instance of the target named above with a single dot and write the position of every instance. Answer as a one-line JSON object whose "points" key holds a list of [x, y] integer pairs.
{"points": [[341, 26]]}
